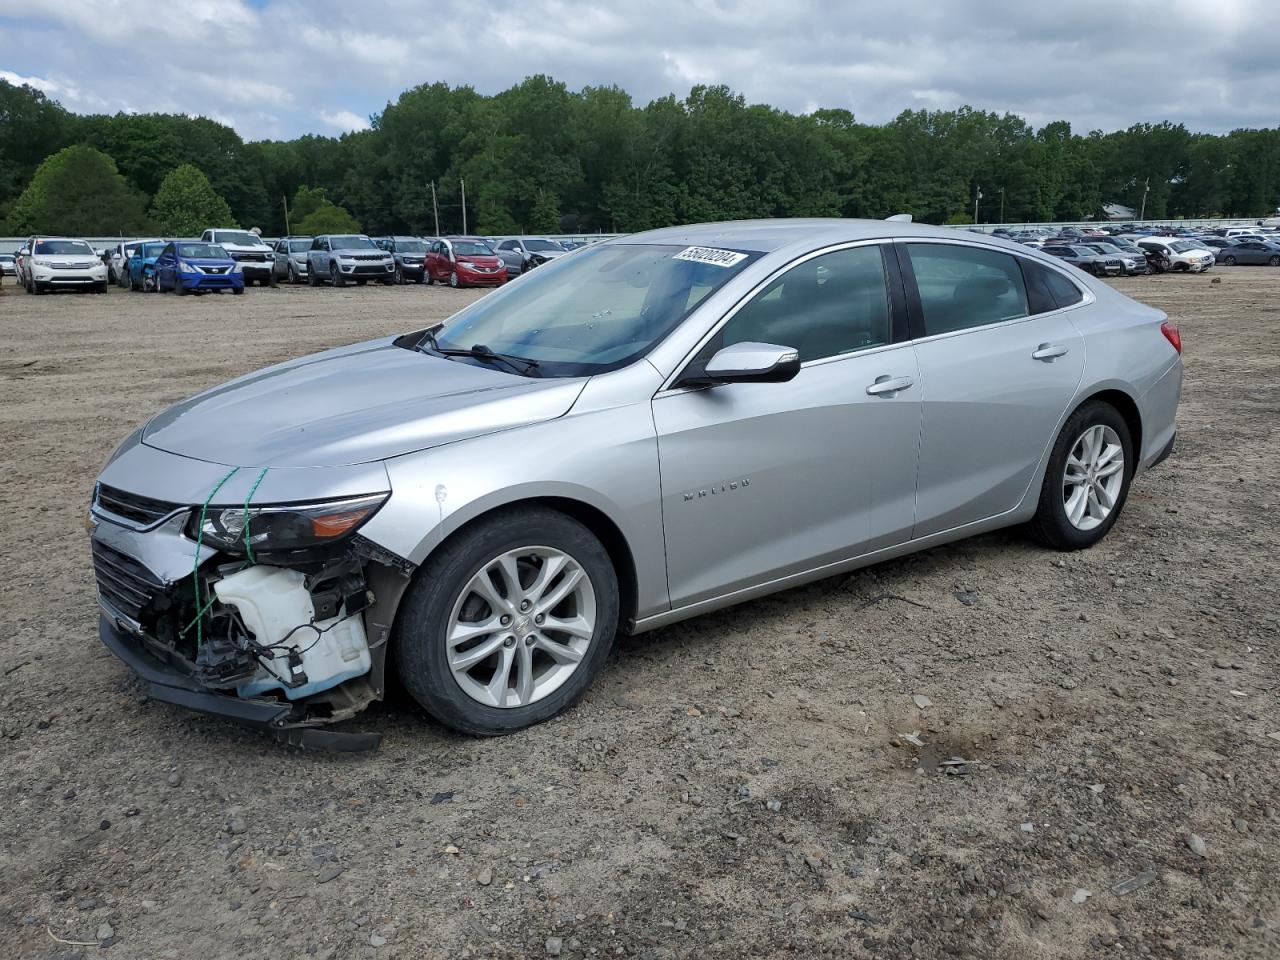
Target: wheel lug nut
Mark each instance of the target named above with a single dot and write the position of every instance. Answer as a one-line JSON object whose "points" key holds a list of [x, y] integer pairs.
{"points": [[505, 619], [539, 618], [524, 604], [529, 640], [509, 642]]}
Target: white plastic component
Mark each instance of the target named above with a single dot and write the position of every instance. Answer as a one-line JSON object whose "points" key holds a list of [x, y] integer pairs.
{"points": [[273, 601]]}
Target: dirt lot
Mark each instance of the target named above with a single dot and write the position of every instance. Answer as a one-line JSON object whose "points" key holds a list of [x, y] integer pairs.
{"points": [[734, 786]]}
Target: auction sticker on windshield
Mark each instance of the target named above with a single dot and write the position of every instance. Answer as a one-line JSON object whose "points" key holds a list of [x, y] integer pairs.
{"points": [[718, 258]]}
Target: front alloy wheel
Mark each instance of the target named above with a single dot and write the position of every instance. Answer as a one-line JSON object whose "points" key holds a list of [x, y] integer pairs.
{"points": [[521, 626], [508, 622]]}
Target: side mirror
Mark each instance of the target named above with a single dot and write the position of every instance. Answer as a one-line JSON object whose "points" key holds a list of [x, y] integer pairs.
{"points": [[753, 363]]}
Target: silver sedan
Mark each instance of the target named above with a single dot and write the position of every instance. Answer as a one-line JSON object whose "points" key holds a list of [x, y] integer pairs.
{"points": [[641, 431]]}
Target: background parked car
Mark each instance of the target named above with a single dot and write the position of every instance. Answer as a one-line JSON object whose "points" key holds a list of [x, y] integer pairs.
{"points": [[525, 253], [410, 254], [1131, 264], [289, 258], [465, 262], [1250, 251], [247, 249], [1182, 254], [193, 266], [8, 265], [340, 258], [50, 263], [140, 268], [120, 253], [1087, 259]]}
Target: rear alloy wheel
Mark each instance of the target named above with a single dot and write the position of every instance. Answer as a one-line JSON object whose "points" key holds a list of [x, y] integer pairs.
{"points": [[508, 624], [1087, 479], [1229, 261], [1274, 261]]}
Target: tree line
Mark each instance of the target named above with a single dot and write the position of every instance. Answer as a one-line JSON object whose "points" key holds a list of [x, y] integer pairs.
{"points": [[541, 158]]}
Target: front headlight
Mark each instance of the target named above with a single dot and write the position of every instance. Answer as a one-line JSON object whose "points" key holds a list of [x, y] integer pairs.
{"points": [[286, 527], [235, 267], [186, 267], [42, 263]]}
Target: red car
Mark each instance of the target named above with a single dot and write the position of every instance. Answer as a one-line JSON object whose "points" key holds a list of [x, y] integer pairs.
{"points": [[464, 262]]}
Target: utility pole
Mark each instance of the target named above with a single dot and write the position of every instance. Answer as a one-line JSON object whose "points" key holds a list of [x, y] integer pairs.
{"points": [[1002, 205], [977, 195], [287, 231], [435, 210], [1142, 214], [464, 206]]}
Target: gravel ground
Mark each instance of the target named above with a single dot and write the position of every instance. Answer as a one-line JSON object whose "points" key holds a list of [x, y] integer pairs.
{"points": [[734, 786]]}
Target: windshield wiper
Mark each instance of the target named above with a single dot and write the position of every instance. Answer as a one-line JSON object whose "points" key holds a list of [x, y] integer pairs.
{"points": [[479, 351]]}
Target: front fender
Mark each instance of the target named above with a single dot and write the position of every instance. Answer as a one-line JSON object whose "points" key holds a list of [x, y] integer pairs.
{"points": [[604, 458]]}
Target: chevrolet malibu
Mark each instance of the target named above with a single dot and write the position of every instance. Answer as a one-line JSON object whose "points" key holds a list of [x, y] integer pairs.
{"points": [[645, 430]]}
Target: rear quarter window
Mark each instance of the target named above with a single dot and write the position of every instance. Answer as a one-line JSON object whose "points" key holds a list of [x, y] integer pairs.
{"points": [[962, 287]]}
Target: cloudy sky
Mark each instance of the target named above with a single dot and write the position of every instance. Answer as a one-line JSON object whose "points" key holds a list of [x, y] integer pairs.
{"points": [[280, 68]]}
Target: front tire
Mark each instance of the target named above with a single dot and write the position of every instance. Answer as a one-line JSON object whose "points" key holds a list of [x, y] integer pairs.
{"points": [[454, 281], [1087, 480], [1229, 261], [1274, 261], [508, 623], [335, 276]]}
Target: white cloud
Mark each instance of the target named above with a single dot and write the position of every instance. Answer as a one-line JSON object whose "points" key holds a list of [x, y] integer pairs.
{"points": [[344, 121]]}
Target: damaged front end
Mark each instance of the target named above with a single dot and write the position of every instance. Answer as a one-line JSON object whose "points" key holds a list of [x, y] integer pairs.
{"points": [[273, 615]]}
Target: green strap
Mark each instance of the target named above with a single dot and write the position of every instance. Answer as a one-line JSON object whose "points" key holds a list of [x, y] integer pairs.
{"points": [[248, 548], [195, 567]]}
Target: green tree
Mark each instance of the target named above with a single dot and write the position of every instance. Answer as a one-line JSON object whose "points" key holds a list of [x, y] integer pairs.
{"points": [[186, 204], [328, 217], [545, 215], [32, 128], [78, 191]]}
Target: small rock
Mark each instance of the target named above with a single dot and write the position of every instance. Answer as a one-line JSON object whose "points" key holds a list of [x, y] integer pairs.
{"points": [[554, 946], [967, 597], [377, 940], [236, 826], [1027, 828], [691, 712], [1274, 736], [105, 825], [105, 931], [451, 850], [1222, 663], [1196, 843], [443, 797], [484, 877], [175, 779], [922, 702], [1081, 895], [774, 805], [329, 872]]}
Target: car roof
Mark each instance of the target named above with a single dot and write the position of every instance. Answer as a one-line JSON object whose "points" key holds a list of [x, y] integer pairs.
{"points": [[766, 236]]}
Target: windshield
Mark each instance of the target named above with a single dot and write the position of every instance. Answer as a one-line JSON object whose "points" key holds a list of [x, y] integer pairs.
{"points": [[239, 237], [352, 243], [297, 246], [54, 247], [411, 246], [202, 251], [596, 311], [469, 248], [150, 249], [543, 245]]}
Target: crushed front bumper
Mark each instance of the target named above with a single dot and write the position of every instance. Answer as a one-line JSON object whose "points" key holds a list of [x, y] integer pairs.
{"points": [[165, 682]]}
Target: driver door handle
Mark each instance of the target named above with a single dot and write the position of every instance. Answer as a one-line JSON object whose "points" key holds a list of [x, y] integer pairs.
{"points": [[888, 386], [1048, 352]]}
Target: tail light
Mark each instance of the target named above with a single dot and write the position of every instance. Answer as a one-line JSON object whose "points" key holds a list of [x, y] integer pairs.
{"points": [[1171, 334]]}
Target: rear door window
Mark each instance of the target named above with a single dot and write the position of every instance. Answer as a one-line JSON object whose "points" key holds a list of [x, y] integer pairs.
{"points": [[962, 287]]}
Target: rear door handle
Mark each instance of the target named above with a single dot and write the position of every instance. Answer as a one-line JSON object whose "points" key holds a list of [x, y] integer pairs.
{"points": [[1048, 352], [887, 385]]}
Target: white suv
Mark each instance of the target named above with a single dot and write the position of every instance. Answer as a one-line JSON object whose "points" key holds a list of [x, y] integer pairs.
{"points": [[50, 263], [250, 251], [1183, 255]]}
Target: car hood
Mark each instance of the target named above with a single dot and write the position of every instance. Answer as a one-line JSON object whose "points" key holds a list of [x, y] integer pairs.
{"points": [[353, 405], [482, 260], [67, 257], [208, 261], [361, 251]]}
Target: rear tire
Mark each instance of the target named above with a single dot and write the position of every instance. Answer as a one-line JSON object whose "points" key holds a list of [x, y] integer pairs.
{"points": [[1274, 261], [1052, 524], [1229, 261], [427, 615]]}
